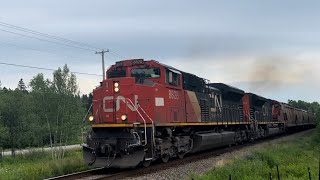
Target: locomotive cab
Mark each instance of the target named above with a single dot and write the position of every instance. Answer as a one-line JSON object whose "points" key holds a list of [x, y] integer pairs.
{"points": [[128, 86]]}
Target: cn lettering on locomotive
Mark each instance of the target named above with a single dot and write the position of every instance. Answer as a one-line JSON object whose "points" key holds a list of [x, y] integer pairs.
{"points": [[120, 99]]}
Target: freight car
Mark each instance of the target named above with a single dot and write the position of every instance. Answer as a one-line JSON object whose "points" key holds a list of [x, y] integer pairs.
{"points": [[292, 117], [146, 111]]}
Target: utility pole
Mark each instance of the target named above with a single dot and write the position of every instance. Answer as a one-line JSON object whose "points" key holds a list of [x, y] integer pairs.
{"points": [[103, 68]]}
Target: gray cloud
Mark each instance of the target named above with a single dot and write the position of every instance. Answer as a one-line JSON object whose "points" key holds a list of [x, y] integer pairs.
{"points": [[213, 35]]}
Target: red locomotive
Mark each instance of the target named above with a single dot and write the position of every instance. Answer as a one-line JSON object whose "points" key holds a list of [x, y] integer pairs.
{"points": [[145, 111]]}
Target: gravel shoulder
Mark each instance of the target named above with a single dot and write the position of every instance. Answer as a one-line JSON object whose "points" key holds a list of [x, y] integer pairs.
{"points": [[201, 166]]}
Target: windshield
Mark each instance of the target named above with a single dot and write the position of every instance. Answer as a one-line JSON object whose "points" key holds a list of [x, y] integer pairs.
{"points": [[145, 72], [117, 73]]}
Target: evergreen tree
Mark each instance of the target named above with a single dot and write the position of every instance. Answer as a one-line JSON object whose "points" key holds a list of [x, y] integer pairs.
{"points": [[22, 86], [86, 100], [5, 89]]}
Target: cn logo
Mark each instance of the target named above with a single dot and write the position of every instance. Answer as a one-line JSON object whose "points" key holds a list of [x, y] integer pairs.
{"points": [[118, 101]]}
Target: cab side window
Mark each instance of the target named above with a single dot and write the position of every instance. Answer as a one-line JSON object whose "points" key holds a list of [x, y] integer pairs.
{"points": [[173, 77]]}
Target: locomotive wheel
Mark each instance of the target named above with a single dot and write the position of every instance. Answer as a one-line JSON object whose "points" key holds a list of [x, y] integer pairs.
{"points": [[181, 155], [165, 158], [146, 163]]}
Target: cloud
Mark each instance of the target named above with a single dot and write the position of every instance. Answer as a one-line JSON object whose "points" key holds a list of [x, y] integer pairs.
{"points": [[275, 76], [272, 72], [261, 46]]}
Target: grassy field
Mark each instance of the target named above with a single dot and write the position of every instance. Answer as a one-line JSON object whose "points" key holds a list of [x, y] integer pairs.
{"points": [[293, 157], [39, 165]]}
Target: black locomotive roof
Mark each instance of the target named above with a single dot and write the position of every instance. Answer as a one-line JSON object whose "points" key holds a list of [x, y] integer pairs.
{"points": [[257, 100], [193, 83], [226, 88], [213, 88], [228, 92], [169, 67]]}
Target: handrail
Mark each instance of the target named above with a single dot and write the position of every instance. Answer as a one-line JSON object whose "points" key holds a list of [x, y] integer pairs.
{"points": [[153, 139], [85, 117], [145, 123], [151, 122]]}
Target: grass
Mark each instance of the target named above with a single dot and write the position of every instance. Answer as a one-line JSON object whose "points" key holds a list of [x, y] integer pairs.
{"points": [[293, 158], [39, 165]]}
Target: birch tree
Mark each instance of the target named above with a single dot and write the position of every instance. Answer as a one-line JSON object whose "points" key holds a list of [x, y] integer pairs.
{"points": [[60, 107]]}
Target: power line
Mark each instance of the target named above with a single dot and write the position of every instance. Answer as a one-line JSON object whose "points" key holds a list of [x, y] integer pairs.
{"points": [[116, 54], [41, 68], [32, 49], [40, 39], [46, 35], [79, 45], [94, 48]]}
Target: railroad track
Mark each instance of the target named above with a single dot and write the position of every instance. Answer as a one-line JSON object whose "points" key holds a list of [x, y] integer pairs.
{"points": [[78, 175], [105, 173], [97, 174]]}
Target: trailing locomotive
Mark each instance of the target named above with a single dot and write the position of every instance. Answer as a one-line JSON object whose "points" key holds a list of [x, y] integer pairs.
{"points": [[146, 111]]}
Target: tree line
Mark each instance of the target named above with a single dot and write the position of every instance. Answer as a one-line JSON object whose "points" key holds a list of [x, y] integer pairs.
{"points": [[50, 113]]}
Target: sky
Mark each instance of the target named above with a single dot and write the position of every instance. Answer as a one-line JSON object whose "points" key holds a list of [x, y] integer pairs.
{"points": [[270, 48]]}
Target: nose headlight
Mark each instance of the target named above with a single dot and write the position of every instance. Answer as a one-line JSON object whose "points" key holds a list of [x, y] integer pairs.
{"points": [[116, 86], [91, 118], [123, 117]]}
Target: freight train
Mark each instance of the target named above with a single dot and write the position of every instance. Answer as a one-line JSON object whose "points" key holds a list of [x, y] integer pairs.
{"points": [[146, 111]]}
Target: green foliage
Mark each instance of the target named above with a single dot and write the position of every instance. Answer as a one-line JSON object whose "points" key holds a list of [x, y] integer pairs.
{"points": [[39, 165], [4, 133], [15, 109], [311, 107], [22, 86], [62, 116], [293, 158], [87, 100], [49, 114]]}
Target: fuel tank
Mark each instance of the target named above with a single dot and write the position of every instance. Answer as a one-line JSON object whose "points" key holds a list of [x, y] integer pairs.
{"points": [[209, 140]]}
